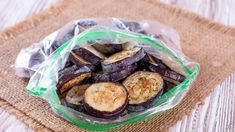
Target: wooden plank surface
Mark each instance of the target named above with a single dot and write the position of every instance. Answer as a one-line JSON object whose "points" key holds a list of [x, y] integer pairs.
{"points": [[215, 115]]}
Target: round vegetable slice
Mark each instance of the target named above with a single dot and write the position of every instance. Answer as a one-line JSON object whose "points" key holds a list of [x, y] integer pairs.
{"points": [[72, 76], [90, 54], [80, 62], [74, 97], [144, 88], [108, 49], [105, 100], [156, 65], [122, 59], [115, 76]]}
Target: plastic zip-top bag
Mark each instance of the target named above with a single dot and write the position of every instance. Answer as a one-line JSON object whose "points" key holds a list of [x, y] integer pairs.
{"points": [[103, 73]]}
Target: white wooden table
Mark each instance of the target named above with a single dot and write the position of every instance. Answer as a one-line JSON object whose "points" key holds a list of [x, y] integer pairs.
{"points": [[215, 115]]}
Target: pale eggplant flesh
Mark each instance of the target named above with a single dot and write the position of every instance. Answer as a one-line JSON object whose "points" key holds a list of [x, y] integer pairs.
{"points": [[108, 49], [115, 76], [90, 54], [75, 96], [144, 89], [80, 62], [122, 59], [72, 76], [105, 100]]}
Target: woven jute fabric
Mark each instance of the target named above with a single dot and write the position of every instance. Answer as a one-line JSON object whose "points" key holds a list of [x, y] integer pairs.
{"points": [[209, 43]]}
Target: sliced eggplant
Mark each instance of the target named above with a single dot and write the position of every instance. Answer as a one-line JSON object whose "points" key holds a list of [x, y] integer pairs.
{"points": [[156, 65], [90, 54], [80, 62], [105, 100], [108, 49], [74, 97], [72, 76], [36, 58], [130, 26], [144, 89], [150, 60], [115, 76], [87, 23], [128, 46], [60, 41], [122, 59], [168, 86]]}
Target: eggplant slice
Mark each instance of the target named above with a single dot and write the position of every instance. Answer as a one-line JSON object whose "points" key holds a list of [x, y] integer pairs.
{"points": [[115, 76], [156, 65], [168, 86], [90, 54], [108, 49], [130, 26], [122, 59], [72, 76], [105, 100], [75, 96], [144, 89], [80, 62]]}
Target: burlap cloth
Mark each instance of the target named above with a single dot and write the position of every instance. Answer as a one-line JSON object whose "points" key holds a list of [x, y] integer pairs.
{"points": [[209, 43]]}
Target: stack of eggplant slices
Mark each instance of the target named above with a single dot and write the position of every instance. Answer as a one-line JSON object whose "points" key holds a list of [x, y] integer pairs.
{"points": [[111, 80]]}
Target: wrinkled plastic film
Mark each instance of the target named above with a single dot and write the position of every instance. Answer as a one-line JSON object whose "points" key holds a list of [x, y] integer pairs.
{"points": [[114, 31]]}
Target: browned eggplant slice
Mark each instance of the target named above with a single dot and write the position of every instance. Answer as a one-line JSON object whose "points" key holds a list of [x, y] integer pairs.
{"points": [[105, 100], [80, 62], [122, 59], [144, 88], [108, 49], [74, 97], [90, 54], [72, 76], [151, 60], [115, 76], [156, 65]]}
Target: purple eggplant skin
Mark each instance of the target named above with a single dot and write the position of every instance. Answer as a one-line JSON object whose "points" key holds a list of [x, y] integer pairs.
{"points": [[145, 105], [36, 58], [105, 114], [57, 43], [168, 74], [69, 75], [122, 64], [168, 86], [86, 23], [76, 92], [130, 26], [80, 63], [79, 108], [115, 76], [88, 55], [156, 65], [108, 49], [151, 60]]}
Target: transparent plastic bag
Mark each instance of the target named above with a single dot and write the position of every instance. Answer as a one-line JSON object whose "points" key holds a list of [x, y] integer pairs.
{"points": [[43, 60]]}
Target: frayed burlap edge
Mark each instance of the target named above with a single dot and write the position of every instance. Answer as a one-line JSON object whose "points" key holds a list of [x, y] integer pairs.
{"points": [[56, 9], [22, 116]]}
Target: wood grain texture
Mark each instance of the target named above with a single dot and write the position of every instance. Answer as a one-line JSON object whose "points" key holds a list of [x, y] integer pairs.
{"points": [[15, 11], [218, 111]]}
